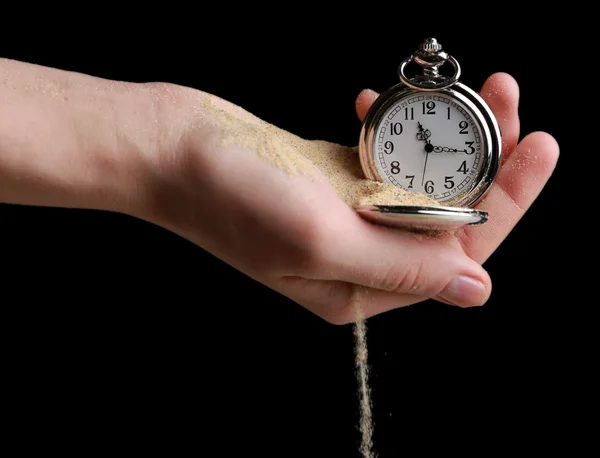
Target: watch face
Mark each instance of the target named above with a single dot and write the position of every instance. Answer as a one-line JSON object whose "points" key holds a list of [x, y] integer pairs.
{"points": [[430, 142]]}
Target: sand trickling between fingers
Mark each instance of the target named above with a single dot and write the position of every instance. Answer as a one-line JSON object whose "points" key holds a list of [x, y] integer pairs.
{"points": [[340, 166]]}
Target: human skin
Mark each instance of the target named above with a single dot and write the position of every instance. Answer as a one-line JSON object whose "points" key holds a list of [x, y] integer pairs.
{"points": [[152, 151]]}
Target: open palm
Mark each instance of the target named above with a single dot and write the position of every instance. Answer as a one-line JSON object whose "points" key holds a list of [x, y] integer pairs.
{"points": [[297, 236]]}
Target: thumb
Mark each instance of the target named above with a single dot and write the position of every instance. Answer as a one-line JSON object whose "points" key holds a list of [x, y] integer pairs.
{"points": [[402, 262]]}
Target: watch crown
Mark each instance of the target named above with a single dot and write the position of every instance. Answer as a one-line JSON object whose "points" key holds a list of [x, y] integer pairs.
{"points": [[430, 46]]}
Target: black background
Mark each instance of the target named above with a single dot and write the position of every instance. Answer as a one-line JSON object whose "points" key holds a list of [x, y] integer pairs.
{"points": [[195, 355]]}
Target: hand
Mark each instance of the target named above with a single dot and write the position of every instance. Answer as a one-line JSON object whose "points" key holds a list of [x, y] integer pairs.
{"points": [[423, 135], [155, 151], [296, 235], [445, 149]]}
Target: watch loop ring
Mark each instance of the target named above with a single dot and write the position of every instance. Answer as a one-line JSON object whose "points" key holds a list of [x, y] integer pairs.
{"points": [[431, 80]]}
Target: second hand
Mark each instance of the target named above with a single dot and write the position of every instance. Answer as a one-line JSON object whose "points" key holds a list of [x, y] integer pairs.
{"points": [[425, 168]]}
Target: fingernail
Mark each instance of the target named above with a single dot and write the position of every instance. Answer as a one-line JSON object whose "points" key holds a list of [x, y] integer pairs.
{"points": [[464, 291]]}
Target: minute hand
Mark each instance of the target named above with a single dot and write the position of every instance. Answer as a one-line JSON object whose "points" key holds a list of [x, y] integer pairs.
{"points": [[445, 149]]}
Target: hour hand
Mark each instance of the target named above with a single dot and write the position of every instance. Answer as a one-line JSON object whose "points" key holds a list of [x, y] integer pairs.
{"points": [[423, 134]]}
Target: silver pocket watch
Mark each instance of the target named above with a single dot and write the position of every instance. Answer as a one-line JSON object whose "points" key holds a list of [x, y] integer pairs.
{"points": [[434, 135]]}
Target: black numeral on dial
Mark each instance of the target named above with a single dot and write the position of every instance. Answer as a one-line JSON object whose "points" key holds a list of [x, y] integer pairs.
{"points": [[429, 108], [388, 147], [396, 128], [429, 187], [395, 167]]}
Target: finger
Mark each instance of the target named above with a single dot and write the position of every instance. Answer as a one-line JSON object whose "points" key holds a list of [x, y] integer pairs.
{"points": [[336, 301], [501, 93], [519, 182], [395, 261], [363, 102]]}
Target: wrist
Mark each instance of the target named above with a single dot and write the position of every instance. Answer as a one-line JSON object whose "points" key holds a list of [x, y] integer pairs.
{"points": [[73, 140]]}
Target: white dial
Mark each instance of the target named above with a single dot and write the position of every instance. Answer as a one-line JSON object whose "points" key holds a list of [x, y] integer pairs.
{"points": [[429, 143]]}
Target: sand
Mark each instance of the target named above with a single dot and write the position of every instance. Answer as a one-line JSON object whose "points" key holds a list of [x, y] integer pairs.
{"points": [[339, 164], [362, 375]]}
